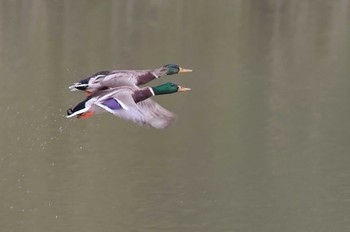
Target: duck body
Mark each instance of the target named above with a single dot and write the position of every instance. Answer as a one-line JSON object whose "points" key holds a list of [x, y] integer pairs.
{"points": [[130, 103], [111, 79]]}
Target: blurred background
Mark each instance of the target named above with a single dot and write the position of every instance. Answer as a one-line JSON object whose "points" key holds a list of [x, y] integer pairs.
{"points": [[261, 142]]}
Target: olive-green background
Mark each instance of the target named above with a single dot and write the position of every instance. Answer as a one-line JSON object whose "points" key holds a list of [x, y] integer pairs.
{"points": [[261, 142]]}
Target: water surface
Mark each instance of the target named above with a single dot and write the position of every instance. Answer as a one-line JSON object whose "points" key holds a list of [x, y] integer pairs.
{"points": [[261, 143]]}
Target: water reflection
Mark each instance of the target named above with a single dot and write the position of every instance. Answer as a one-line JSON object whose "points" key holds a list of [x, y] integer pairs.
{"points": [[260, 144]]}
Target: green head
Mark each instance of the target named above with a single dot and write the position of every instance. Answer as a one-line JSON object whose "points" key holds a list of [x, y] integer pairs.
{"points": [[171, 69], [168, 88]]}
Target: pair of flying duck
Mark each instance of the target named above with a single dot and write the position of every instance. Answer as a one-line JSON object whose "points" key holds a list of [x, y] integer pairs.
{"points": [[118, 92]]}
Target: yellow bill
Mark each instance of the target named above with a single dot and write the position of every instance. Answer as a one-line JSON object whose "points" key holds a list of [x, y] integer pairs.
{"points": [[184, 70], [183, 89]]}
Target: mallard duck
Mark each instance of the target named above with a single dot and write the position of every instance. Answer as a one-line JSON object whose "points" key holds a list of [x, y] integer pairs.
{"points": [[116, 78], [130, 103]]}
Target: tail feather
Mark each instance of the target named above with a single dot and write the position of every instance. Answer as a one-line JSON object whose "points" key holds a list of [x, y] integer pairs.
{"points": [[78, 86], [70, 111]]}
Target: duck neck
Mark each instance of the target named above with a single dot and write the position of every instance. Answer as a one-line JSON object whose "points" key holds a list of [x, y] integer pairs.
{"points": [[143, 94], [150, 75], [160, 72], [146, 77]]}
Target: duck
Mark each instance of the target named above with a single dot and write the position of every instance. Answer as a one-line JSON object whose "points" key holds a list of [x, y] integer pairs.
{"points": [[130, 103], [110, 79]]}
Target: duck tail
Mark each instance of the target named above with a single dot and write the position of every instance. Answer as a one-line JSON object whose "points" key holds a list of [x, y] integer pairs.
{"points": [[78, 86], [70, 113], [79, 109]]}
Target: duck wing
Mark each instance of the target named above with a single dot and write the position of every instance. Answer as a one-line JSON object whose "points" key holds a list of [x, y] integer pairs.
{"points": [[117, 79], [104, 80], [112, 79], [145, 113], [127, 78], [155, 115], [104, 100]]}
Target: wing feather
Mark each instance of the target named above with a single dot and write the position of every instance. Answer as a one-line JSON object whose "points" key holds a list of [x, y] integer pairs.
{"points": [[118, 79], [155, 115], [145, 113]]}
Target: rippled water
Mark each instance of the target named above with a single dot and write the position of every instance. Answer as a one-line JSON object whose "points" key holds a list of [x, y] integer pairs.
{"points": [[260, 144]]}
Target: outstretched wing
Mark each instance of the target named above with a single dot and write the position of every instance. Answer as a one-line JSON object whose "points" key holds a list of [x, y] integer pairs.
{"points": [[145, 113], [155, 115]]}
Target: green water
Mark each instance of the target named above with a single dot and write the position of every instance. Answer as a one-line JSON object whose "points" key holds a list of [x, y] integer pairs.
{"points": [[261, 142]]}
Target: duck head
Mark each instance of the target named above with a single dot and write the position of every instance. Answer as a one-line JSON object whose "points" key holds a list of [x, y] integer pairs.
{"points": [[171, 69], [168, 88]]}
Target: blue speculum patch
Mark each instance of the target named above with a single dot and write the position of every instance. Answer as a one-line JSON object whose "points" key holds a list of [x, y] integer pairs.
{"points": [[112, 104]]}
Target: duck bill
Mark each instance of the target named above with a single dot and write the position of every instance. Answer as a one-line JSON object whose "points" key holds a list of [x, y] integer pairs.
{"points": [[184, 70], [183, 89]]}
